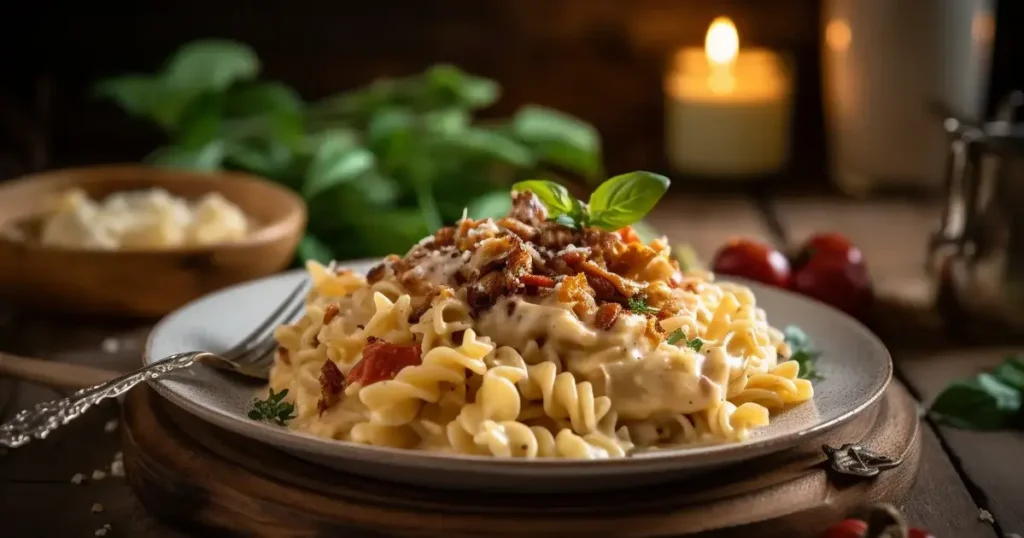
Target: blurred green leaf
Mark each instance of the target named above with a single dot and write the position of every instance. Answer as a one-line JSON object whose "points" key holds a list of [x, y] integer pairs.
{"points": [[268, 158], [208, 157], [339, 159], [211, 65], [200, 121], [491, 205], [145, 96], [459, 88], [312, 248], [560, 139], [491, 144], [646, 231]]}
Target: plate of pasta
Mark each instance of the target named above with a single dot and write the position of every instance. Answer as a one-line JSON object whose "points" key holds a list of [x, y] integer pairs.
{"points": [[551, 349]]}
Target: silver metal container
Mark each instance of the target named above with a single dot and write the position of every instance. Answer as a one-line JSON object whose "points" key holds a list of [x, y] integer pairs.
{"points": [[978, 251], [884, 64]]}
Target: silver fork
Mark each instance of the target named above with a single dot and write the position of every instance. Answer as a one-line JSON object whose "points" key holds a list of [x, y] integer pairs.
{"points": [[251, 357]]}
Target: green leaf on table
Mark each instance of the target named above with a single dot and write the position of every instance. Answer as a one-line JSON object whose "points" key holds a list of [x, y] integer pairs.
{"points": [[560, 139], [1011, 372], [982, 403], [555, 197], [206, 158], [491, 205], [456, 87], [211, 65], [145, 96], [312, 248], [625, 199], [338, 159]]}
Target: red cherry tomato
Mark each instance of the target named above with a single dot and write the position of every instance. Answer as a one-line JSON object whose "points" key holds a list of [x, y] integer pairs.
{"points": [[382, 361], [919, 533], [830, 245], [847, 528], [751, 259], [835, 282]]}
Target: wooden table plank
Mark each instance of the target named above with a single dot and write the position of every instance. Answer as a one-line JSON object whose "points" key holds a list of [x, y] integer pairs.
{"points": [[990, 460]]}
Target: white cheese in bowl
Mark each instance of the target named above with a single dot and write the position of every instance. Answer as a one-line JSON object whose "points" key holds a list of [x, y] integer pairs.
{"points": [[142, 219]]}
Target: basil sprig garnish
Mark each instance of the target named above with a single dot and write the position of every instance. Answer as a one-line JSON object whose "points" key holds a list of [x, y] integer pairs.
{"points": [[989, 401], [618, 202]]}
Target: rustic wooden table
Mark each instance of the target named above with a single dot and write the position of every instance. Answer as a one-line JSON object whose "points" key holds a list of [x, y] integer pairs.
{"points": [[970, 484]]}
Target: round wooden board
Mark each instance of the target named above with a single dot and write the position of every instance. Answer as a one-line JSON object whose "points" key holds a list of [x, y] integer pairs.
{"points": [[194, 474]]}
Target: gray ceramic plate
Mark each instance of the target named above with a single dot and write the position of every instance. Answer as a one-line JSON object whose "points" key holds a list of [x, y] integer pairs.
{"points": [[856, 366]]}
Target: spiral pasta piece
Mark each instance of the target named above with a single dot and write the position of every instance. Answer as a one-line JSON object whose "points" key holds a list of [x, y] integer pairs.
{"points": [[397, 401], [564, 398]]}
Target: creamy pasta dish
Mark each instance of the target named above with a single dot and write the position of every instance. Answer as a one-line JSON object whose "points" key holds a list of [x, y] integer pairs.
{"points": [[151, 218], [524, 337]]}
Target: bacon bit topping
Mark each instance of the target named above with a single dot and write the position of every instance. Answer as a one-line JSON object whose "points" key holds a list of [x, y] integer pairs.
{"points": [[574, 290], [607, 315], [330, 312], [332, 383], [382, 361], [537, 281], [380, 271], [283, 355]]}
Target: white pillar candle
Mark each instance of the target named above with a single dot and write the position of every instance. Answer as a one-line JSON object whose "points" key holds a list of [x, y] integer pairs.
{"points": [[727, 110]]}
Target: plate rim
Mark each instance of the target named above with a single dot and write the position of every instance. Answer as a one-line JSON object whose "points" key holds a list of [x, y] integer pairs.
{"points": [[695, 457]]}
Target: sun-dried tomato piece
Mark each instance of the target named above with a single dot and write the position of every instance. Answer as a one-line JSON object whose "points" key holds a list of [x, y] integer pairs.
{"points": [[628, 235], [607, 315], [332, 383], [382, 361], [330, 312]]}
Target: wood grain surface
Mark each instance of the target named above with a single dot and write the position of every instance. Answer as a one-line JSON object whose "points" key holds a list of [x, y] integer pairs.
{"points": [[184, 469], [960, 472]]}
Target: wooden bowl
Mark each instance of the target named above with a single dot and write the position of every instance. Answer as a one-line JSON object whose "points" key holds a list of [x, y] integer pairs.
{"points": [[139, 283]]}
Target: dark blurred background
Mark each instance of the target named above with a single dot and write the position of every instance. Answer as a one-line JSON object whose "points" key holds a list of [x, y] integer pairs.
{"points": [[602, 60]]}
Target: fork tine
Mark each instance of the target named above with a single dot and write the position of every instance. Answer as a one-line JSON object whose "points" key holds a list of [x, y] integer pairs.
{"points": [[289, 307], [261, 349]]}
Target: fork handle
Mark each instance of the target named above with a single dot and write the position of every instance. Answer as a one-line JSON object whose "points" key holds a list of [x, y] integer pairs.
{"points": [[54, 373], [44, 418]]}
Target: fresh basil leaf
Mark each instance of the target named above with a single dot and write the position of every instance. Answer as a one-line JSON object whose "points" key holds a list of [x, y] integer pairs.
{"points": [[338, 159], [1011, 372], [211, 65], [983, 403], [312, 248], [491, 205], [567, 221], [560, 139], [490, 144], [205, 158], [554, 196], [459, 88], [145, 96], [625, 199]]}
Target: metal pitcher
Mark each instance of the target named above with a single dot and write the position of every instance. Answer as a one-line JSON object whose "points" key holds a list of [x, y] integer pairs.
{"points": [[978, 251]]}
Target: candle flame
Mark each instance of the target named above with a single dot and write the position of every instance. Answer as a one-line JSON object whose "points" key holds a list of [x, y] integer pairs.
{"points": [[722, 43]]}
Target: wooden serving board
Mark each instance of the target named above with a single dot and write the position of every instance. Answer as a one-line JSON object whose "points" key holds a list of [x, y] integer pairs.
{"points": [[201, 477]]}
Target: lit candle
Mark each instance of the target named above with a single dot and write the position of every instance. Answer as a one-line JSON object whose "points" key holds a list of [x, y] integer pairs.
{"points": [[727, 110]]}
